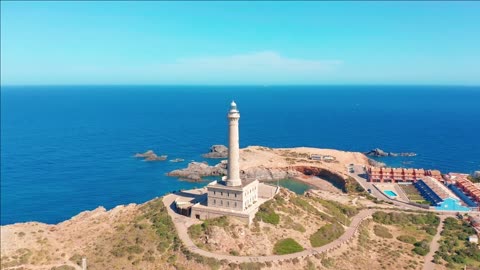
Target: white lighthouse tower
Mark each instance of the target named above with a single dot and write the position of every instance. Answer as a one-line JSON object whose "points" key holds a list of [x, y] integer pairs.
{"points": [[233, 175]]}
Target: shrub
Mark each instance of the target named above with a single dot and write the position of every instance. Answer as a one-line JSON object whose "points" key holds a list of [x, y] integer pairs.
{"points": [[267, 214], [77, 259], [382, 231], [406, 239], [431, 230], [63, 267], [327, 262], [286, 246], [326, 234], [421, 248], [250, 266]]}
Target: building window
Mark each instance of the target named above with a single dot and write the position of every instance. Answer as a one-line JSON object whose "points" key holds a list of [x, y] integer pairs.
{"points": [[214, 201], [214, 192], [235, 195], [228, 204], [235, 204], [221, 193]]}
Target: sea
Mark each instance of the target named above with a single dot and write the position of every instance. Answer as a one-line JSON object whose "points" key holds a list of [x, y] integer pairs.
{"points": [[67, 149]]}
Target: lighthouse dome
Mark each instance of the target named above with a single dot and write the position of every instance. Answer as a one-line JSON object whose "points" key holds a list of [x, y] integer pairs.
{"points": [[233, 106]]}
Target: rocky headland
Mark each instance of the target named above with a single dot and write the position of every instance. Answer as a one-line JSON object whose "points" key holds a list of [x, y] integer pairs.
{"points": [[150, 156], [377, 152], [269, 164]]}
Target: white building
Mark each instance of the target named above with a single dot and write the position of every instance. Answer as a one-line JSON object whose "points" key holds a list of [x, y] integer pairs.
{"points": [[473, 239]]}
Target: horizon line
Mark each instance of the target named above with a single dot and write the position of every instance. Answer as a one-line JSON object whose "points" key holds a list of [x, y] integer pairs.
{"points": [[238, 85]]}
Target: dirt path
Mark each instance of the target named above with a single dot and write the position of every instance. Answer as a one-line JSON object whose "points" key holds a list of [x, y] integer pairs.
{"points": [[434, 245], [182, 223]]}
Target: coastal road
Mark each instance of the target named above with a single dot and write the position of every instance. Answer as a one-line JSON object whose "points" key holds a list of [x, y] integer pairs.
{"points": [[182, 223]]}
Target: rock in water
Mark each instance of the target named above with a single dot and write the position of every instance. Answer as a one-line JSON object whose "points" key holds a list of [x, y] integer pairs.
{"points": [[377, 152], [217, 151], [150, 156], [144, 155]]}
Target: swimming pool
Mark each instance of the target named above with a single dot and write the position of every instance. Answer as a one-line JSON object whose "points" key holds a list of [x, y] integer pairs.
{"points": [[390, 193]]}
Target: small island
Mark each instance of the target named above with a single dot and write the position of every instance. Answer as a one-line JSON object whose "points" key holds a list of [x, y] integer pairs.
{"points": [[150, 156]]}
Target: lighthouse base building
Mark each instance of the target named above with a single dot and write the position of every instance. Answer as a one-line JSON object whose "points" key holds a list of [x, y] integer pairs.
{"points": [[241, 202]]}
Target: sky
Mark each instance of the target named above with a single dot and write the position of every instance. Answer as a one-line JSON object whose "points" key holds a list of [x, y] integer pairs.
{"points": [[240, 43]]}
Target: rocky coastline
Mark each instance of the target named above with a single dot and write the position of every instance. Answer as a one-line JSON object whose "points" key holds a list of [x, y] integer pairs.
{"points": [[377, 152], [196, 170]]}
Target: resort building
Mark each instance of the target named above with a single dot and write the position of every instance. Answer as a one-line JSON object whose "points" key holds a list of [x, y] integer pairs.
{"points": [[395, 175], [433, 190], [466, 186]]}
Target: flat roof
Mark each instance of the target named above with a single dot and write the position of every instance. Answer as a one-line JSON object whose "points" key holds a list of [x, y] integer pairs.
{"points": [[222, 185]]}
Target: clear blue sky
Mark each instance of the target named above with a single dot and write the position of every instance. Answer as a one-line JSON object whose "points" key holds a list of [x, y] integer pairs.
{"points": [[240, 42]]}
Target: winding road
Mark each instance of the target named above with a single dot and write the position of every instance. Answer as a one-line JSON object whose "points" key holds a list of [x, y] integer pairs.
{"points": [[182, 223]]}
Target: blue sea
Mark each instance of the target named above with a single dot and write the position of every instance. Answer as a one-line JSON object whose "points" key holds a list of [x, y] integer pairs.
{"points": [[66, 149]]}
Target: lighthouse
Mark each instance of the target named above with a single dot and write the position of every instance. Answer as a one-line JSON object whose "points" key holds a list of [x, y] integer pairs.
{"points": [[233, 173], [232, 196]]}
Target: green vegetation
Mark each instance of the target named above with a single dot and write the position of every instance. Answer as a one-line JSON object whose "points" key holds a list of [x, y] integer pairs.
{"points": [[286, 246], [326, 234], [474, 179], [407, 239], [340, 212], [426, 222], [421, 248], [266, 213], [352, 186], [382, 231], [455, 249], [289, 223], [198, 230], [303, 204], [162, 224], [413, 195]]}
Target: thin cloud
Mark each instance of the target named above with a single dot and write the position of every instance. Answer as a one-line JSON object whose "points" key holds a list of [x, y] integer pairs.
{"points": [[266, 66]]}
